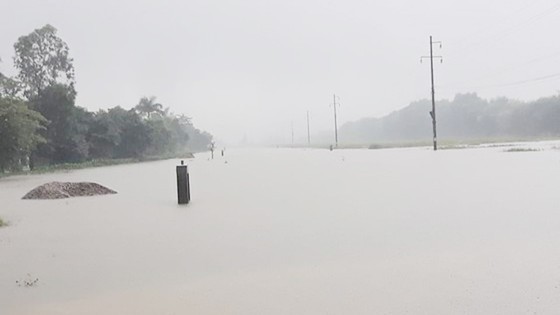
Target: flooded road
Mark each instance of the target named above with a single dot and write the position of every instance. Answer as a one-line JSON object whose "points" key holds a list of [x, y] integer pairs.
{"points": [[293, 231]]}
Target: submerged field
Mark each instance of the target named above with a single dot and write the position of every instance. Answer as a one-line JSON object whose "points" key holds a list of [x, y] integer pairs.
{"points": [[294, 231]]}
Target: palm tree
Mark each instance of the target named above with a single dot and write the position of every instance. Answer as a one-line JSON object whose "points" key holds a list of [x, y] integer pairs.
{"points": [[147, 106]]}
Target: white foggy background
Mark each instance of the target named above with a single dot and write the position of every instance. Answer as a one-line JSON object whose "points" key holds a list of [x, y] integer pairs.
{"points": [[247, 69]]}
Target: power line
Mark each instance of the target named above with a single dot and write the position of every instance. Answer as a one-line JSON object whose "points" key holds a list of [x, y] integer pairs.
{"points": [[527, 22], [517, 66], [517, 83], [500, 35], [467, 39], [543, 78]]}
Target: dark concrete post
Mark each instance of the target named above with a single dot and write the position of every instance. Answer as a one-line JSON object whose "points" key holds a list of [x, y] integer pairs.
{"points": [[212, 146], [183, 185]]}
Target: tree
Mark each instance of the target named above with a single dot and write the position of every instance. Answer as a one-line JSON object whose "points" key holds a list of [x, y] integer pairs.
{"points": [[178, 127], [46, 75], [148, 106], [103, 136], [65, 133], [43, 60], [19, 135], [132, 133], [160, 136], [198, 140], [73, 134], [9, 87]]}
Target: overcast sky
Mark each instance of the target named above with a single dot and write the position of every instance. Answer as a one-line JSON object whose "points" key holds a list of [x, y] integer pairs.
{"points": [[248, 68]]}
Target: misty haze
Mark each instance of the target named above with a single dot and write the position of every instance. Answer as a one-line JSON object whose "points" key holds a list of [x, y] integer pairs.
{"points": [[279, 157]]}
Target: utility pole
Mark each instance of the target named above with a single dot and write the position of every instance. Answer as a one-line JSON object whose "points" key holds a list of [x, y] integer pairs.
{"points": [[308, 134], [292, 133], [433, 112], [335, 124]]}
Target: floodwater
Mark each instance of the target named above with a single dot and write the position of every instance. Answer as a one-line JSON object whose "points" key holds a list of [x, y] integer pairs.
{"points": [[293, 231]]}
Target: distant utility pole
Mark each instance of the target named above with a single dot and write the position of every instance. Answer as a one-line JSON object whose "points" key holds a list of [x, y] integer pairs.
{"points": [[308, 134], [292, 133], [433, 112], [335, 124]]}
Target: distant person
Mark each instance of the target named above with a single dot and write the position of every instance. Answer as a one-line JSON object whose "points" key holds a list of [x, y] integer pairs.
{"points": [[211, 147]]}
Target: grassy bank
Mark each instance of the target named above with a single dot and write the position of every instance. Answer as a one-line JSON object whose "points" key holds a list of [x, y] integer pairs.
{"points": [[457, 144], [521, 150], [443, 144], [96, 163]]}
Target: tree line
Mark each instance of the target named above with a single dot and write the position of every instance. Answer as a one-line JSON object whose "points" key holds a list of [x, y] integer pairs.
{"points": [[40, 123], [466, 117]]}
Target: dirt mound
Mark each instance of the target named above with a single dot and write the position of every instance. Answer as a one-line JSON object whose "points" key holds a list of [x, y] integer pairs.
{"points": [[60, 190]]}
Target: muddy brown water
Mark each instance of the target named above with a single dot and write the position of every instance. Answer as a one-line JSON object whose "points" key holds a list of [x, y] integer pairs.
{"points": [[279, 231]]}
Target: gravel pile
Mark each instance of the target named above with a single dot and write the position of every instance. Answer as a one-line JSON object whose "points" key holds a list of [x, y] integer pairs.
{"points": [[60, 190]]}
